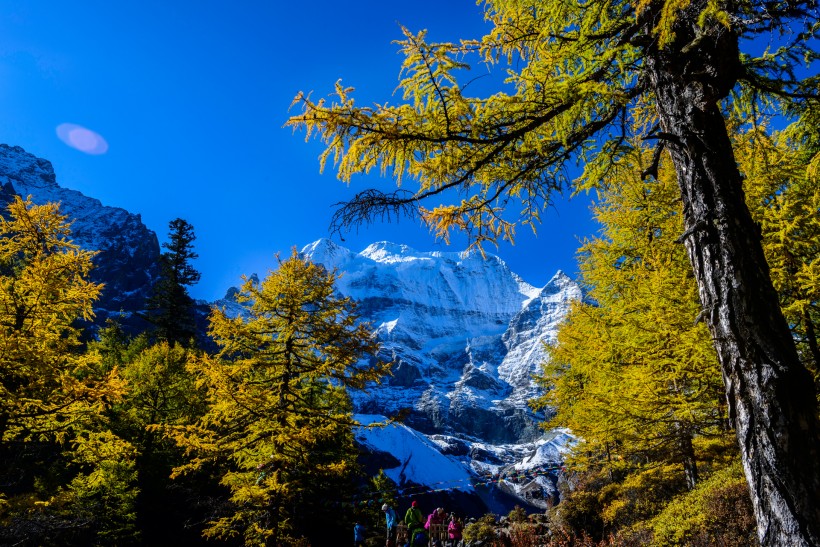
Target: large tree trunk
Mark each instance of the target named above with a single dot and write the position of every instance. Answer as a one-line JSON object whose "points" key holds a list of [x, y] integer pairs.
{"points": [[770, 394]]}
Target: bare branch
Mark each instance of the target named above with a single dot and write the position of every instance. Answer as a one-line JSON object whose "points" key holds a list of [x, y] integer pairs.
{"points": [[652, 170], [370, 206]]}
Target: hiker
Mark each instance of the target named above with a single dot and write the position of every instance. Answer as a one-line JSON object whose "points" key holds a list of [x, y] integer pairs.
{"points": [[415, 523], [390, 517], [436, 517], [454, 530], [435, 526], [358, 535]]}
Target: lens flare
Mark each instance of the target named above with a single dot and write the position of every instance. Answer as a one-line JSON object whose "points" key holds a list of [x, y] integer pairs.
{"points": [[82, 139]]}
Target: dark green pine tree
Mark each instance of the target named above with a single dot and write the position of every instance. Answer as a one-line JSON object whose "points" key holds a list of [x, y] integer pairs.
{"points": [[170, 307]]}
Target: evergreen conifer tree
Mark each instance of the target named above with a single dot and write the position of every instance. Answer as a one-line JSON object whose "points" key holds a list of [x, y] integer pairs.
{"points": [[170, 307]]}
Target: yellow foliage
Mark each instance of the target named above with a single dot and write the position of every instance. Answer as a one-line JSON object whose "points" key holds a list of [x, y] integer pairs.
{"points": [[783, 194], [495, 148], [650, 385], [48, 388], [53, 396], [717, 512], [279, 421]]}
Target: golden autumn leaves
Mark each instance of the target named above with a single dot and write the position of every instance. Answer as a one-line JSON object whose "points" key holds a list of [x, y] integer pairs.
{"points": [[85, 427]]}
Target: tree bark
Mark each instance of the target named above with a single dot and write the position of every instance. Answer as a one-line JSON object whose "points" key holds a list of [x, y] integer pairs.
{"points": [[688, 461], [770, 394]]}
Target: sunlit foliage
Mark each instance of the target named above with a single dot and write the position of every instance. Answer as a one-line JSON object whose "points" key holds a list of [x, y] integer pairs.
{"points": [[634, 373], [279, 420], [783, 192], [64, 475]]}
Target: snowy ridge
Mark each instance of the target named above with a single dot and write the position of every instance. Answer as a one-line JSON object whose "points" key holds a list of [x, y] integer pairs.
{"points": [[549, 451], [30, 175], [531, 331], [421, 461]]}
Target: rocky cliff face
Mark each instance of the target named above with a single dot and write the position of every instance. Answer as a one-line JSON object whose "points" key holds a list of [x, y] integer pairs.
{"points": [[465, 334], [128, 250]]}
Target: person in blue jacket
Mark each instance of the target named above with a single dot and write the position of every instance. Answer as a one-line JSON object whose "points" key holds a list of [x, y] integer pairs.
{"points": [[390, 517], [358, 535]]}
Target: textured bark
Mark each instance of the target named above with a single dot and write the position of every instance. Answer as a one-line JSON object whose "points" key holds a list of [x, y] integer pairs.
{"points": [[688, 460], [770, 394]]}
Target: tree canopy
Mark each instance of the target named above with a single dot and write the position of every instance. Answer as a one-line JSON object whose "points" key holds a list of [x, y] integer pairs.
{"points": [[44, 288], [647, 389], [64, 475]]}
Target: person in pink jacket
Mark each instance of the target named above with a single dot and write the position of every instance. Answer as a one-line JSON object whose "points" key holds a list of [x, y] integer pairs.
{"points": [[454, 530], [436, 517]]}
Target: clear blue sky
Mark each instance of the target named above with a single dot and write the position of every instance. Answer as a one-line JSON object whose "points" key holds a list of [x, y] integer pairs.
{"points": [[191, 97]]}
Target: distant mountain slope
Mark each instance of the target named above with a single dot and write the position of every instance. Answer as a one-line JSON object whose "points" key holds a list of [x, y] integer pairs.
{"points": [[128, 250], [465, 333]]}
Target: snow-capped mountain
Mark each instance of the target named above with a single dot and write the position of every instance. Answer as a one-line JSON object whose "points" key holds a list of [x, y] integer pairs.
{"points": [[128, 250], [465, 335], [464, 332]]}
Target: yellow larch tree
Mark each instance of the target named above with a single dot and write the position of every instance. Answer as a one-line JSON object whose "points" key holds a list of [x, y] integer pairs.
{"points": [[634, 373], [783, 191], [279, 423], [64, 471]]}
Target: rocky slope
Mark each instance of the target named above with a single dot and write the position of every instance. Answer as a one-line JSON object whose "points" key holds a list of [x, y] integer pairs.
{"points": [[128, 250]]}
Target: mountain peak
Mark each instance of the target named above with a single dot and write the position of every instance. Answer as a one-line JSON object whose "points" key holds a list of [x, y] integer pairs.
{"points": [[466, 333], [387, 252], [324, 251], [17, 165]]}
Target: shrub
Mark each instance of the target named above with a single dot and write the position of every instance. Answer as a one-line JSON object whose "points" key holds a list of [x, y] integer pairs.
{"points": [[580, 512], [481, 530], [717, 512]]}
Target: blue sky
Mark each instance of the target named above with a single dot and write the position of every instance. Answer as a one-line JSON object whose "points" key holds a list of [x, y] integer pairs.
{"points": [[191, 97]]}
